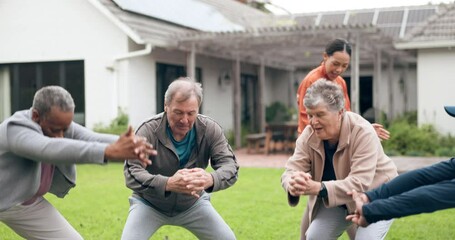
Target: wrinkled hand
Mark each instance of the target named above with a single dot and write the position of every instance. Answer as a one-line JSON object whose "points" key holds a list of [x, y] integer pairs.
{"points": [[299, 183], [360, 199], [382, 133], [190, 181], [130, 146]]}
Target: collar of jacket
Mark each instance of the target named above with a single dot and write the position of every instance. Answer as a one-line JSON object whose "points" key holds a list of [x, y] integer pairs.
{"points": [[200, 124]]}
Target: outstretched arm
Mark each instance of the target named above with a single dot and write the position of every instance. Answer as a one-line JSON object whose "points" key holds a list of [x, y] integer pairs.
{"points": [[423, 190], [435, 173], [425, 199]]}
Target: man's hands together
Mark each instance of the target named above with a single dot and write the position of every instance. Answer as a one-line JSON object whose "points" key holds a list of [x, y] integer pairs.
{"points": [[360, 199], [190, 181], [130, 146]]}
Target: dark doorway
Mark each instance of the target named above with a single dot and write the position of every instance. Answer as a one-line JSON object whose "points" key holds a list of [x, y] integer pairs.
{"points": [[365, 95], [249, 107]]}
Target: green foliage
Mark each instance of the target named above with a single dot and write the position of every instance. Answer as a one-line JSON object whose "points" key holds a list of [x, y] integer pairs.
{"points": [[117, 126], [231, 138], [243, 132], [278, 112], [409, 117], [446, 146], [411, 140], [408, 139]]}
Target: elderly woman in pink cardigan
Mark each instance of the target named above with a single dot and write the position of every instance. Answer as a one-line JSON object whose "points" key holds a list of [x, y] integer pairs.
{"points": [[337, 152]]}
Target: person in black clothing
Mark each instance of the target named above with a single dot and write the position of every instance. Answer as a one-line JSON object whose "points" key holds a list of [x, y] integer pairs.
{"points": [[422, 190]]}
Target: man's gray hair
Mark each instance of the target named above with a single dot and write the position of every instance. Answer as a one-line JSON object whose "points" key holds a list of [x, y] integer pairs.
{"points": [[324, 91], [52, 96], [187, 87]]}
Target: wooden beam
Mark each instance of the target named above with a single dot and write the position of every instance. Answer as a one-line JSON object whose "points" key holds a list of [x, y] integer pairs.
{"points": [[355, 76], [377, 78], [191, 63], [261, 97], [237, 102], [390, 73]]}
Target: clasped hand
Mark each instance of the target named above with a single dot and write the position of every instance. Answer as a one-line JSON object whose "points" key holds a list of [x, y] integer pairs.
{"points": [[190, 181], [357, 217], [130, 146], [301, 183]]}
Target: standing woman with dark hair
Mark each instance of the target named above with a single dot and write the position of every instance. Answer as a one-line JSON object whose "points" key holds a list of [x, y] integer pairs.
{"points": [[336, 58]]}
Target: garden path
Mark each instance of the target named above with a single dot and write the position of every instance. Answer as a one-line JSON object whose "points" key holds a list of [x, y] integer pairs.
{"points": [[278, 160]]}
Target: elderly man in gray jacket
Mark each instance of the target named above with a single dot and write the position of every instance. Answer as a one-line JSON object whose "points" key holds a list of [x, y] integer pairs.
{"points": [[38, 151], [173, 190]]}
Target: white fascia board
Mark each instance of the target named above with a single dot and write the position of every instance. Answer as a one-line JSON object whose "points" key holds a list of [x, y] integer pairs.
{"points": [[425, 44], [127, 30]]}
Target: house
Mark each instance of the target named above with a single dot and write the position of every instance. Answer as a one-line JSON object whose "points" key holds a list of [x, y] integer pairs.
{"points": [[122, 54], [110, 55], [434, 41]]}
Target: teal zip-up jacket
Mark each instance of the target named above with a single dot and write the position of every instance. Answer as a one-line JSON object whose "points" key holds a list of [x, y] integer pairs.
{"points": [[149, 183]]}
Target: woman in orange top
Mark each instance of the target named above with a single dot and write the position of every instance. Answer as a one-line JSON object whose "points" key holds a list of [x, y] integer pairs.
{"points": [[335, 62]]}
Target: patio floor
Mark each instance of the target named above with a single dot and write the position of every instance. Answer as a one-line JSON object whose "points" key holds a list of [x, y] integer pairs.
{"points": [[278, 160]]}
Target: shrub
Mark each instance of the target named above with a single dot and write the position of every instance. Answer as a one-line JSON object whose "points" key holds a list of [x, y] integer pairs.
{"points": [[117, 126], [243, 132], [409, 139], [278, 112], [445, 152]]}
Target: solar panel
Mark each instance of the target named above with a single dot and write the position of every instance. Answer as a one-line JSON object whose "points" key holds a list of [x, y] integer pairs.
{"points": [[389, 20], [189, 13]]}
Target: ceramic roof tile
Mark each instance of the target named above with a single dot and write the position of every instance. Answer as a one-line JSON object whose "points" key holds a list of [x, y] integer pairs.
{"points": [[438, 27]]}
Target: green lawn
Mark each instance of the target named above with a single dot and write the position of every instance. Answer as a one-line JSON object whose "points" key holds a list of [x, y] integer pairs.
{"points": [[255, 208]]}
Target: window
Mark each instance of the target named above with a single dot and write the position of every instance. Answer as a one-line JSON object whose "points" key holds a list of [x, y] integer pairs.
{"points": [[27, 78]]}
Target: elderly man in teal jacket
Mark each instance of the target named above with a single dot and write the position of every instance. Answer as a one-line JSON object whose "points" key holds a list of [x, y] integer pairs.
{"points": [[38, 151], [175, 189]]}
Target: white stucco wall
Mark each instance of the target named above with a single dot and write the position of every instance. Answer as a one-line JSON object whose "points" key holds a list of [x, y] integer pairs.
{"points": [[139, 85], [55, 30], [218, 100], [278, 87], [435, 86], [5, 94]]}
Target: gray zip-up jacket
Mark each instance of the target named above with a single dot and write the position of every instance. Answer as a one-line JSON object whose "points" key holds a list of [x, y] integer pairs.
{"points": [[149, 183], [23, 147]]}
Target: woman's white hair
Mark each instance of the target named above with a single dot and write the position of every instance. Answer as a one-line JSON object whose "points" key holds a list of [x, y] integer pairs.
{"points": [[324, 91]]}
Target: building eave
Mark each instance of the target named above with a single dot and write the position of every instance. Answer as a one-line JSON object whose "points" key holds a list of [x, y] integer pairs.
{"points": [[425, 44], [123, 27]]}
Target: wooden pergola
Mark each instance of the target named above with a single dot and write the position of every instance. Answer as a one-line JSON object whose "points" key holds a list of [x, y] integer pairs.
{"points": [[290, 48]]}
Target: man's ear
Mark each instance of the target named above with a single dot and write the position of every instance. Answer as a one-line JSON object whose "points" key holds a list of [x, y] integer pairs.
{"points": [[165, 108], [35, 116]]}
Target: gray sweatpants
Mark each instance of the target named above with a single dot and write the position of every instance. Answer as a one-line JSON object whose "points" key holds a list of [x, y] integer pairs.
{"points": [[201, 219], [330, 223], [39, 220]]}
